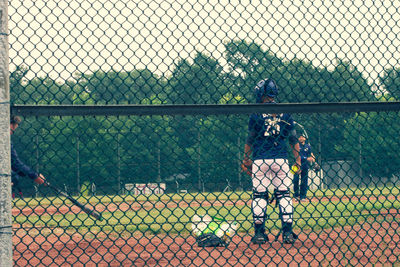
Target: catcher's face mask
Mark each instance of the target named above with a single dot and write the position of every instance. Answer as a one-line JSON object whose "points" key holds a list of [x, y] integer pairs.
{"points": [[266, 89]]}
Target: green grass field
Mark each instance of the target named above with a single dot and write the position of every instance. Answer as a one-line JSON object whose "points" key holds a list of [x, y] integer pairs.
{"points": [[328, 209]]}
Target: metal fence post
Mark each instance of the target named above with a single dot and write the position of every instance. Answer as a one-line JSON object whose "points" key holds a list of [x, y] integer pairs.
{"points": [[119, 165], [78, 172], [5, 165]]}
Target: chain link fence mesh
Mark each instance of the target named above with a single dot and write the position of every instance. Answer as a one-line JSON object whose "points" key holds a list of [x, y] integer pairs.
{"points": [[151, 177]]}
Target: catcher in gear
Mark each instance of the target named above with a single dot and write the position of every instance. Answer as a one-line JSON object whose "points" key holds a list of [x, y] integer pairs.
{"points": [[307, 160], [266, 160]]}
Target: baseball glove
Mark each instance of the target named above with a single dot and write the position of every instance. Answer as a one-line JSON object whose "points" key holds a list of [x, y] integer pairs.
{"points": [[316, 167]]}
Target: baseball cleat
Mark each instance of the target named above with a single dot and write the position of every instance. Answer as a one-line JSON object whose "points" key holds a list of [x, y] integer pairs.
{"points": [[289, 237], [259, 238]]}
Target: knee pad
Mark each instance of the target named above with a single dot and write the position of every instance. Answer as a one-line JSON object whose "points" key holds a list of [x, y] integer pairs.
{"points": [[259, 206], [262, 195], [285, 204], [279, 194]]}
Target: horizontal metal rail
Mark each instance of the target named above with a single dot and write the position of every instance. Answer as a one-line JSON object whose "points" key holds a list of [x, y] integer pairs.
{"points": [[210, 109]]}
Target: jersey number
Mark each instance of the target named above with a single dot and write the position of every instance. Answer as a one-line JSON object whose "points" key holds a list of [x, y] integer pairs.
{"points": [[272, 128]]}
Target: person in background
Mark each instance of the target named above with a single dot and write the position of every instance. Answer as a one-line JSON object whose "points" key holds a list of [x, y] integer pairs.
{"points": [[18, 168], [307, 160]]}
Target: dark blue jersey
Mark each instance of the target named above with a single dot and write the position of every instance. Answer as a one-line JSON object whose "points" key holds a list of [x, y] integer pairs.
{"points": [[305, 152], [268, 134], [19, 167]]}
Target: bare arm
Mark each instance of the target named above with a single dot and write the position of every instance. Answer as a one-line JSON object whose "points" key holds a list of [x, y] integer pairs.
{"points": [[248, 150], [247, 154], [311, 159], [294, 144], [247, 162], [296, 155]]}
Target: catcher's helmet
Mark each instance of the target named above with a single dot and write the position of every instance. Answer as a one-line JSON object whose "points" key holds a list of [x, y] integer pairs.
{"points": [[266, 87]]}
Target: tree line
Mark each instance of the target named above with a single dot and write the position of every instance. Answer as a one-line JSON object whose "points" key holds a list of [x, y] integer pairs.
{"points": [[205, 150]]}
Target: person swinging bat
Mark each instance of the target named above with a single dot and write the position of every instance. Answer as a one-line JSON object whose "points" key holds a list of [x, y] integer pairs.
{"points": [[20, 169]]}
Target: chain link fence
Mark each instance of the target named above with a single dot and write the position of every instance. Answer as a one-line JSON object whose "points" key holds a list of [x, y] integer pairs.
{"points": [[158, 178]]}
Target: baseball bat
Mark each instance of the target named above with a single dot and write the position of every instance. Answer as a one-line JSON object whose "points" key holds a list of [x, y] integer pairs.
{"points": [[303, 129], [87, 210]]}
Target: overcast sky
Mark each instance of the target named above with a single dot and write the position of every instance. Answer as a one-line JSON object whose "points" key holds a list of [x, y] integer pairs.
{"points": [[60, 37]]}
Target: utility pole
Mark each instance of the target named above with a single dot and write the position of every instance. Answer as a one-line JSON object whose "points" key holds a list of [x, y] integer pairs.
{"points": [[201, 188], [78, 172], [240, 164], [118, 164], [158, 162], [37, 164], [5, 146]]}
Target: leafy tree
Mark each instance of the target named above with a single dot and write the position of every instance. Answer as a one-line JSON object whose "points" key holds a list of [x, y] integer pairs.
{"points": [[346, 83], [391, 82], [115, 87], [17, 83], [199, 82], [250, 63], [298, 80], [44, 90], [373, 137], [131, 148]]}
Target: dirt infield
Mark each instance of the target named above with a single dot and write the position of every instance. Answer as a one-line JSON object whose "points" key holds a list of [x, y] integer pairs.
{"points": [[372, 243], [367, 244]]}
